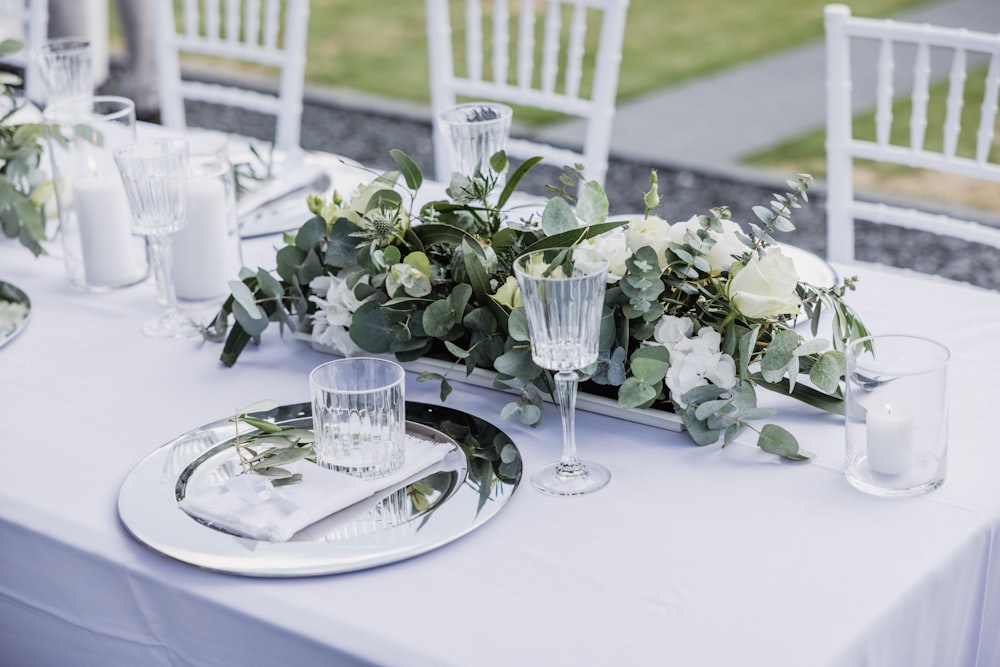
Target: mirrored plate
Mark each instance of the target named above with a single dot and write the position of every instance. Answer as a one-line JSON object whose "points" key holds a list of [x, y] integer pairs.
{"points": [[811, 268], [15, 310], [447, 502]]}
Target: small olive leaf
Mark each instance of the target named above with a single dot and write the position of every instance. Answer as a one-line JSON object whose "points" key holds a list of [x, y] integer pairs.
{"points": [[284, 456], [285, 481], [445, 389], [272, 472], [262, 424], [498, 162], [779, 353], [828, 370], [411, 172], [776, 440], [592, 205], [298, 435], [245, 298], [427, 377], [558, 217]]}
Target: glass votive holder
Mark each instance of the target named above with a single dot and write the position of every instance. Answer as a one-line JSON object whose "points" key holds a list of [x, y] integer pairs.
{"points": [[207, 251], [99, 249], [475, 131], [359, 415], [896, 408]]}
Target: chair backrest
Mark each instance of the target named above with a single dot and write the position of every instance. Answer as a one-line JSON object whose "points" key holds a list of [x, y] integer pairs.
{"points": [[30, 20], [250, 31], [550, 59], [916, 41]]}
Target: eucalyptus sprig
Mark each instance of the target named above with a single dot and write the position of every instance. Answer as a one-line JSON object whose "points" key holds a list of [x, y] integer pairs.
{"points": [[271, 446]]}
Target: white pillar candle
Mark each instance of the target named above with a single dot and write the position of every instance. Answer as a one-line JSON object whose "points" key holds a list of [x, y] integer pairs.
{"points": [[890, 440], [202, 256], [103, 216]]}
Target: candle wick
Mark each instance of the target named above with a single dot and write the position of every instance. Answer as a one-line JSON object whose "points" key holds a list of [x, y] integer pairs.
{"points": [[888, 408]]}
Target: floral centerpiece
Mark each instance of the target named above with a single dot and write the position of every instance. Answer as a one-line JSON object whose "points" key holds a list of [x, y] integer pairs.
{"points": [[697, 314], [24, 186]]}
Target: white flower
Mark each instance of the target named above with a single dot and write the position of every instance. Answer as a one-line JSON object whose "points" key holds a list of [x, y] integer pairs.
{"points": [[333, 317], [699, 361], [615, 249], [11, 315], [765, 287], [670, 330], [509, 294], [727, 242], [653, 232]]}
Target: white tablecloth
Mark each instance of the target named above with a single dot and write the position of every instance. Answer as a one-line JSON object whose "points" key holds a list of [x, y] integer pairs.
{"points": [[691, 556]]}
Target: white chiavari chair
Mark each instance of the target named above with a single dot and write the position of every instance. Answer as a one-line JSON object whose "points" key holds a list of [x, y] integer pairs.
{"points": [[27, 20], [272, 33], [960, 47], [551, 56]]}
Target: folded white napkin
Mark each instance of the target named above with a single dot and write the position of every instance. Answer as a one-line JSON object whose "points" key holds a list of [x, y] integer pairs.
{"points": [[248, 505]]}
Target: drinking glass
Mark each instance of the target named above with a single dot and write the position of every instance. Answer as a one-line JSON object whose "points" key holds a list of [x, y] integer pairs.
{"points": [[66, 66], [359, 415], [155, 178], [475, 131], [563, 294]]}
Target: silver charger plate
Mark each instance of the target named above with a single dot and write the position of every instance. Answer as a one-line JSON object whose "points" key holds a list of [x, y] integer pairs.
{"points": [[467, 489], [11, 324]]}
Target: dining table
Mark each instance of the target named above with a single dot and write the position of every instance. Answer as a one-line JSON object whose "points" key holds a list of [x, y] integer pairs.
{"points": [[711, 555]]}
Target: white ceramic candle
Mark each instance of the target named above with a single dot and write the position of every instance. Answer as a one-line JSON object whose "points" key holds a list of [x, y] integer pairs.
{"points": [[104, 219], [202, 266], [890, 440]]}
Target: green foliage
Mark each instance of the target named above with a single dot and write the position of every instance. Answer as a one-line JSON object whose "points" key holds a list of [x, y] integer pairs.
{"points": [[271, 446], [439, 282], [24, 189]]}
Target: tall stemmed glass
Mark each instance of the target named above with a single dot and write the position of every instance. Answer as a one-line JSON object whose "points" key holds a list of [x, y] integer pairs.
{"points": [[155, 178], [563, 294]]}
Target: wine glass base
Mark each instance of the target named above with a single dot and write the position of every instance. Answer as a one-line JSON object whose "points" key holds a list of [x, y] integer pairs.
{"points": [[172, 325], [559, 480]]}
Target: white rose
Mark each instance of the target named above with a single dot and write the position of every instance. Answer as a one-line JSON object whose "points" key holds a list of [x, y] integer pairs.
{"points": [[509, 294], [613, 246], [653, 232], [727, 242], [765, 287]]}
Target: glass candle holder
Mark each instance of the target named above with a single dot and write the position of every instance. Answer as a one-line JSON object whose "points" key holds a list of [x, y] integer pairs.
{"points": [[896, 409], [67, 67], [207, 252], [100, 251]]}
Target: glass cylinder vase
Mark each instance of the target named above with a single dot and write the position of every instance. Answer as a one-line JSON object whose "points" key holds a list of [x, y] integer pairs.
{"points": [[896, 415], [100, 251]]}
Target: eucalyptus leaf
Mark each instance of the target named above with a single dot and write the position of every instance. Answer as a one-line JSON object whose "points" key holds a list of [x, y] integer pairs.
{"points": [[558, 217]]}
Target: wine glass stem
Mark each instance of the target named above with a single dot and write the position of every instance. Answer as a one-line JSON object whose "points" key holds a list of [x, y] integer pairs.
{"points": [[161, 256], [566, 384]]}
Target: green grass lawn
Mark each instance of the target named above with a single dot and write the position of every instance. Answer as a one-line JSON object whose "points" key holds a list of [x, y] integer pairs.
{"points": [[808, 152], [379, 46]]}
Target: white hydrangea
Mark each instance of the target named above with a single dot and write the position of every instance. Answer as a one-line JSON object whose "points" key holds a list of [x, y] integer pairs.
{"points": [[694, 361]]}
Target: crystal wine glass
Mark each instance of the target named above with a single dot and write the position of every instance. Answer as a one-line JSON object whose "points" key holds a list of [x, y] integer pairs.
{"points": [[563, 294], [155, 178]]}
